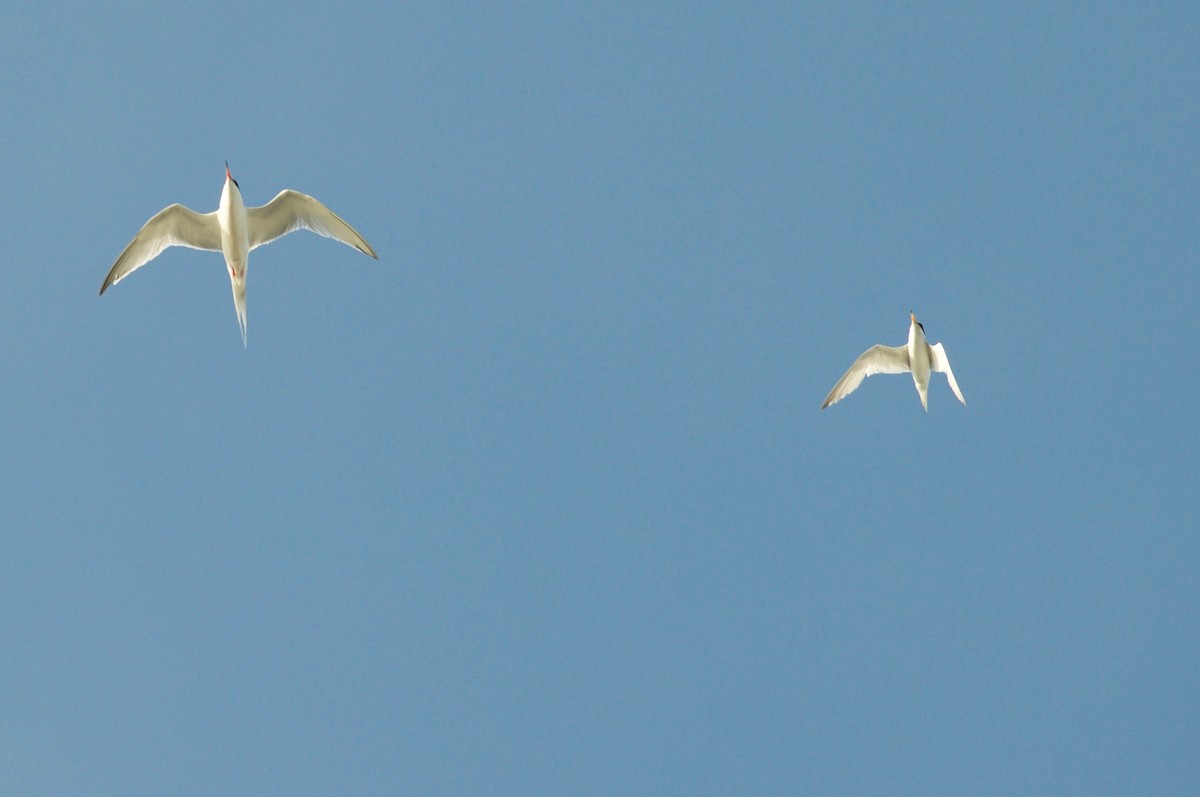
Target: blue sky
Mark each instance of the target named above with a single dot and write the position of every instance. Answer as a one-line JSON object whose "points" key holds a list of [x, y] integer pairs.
{"points": [[542, 502]]}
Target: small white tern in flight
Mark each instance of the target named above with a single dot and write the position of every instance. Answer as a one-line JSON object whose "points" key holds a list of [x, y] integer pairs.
{"points": [[917, 357], [233, 230]]}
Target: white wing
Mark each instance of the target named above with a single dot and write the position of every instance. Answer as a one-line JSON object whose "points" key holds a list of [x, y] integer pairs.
{"points": [[938, 361], [292, 210], [174, 225], [878, 359]]}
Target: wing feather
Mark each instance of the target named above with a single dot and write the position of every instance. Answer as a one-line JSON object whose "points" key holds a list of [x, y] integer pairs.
{"points": [[290, 211], [878, 359], [940, 362], [174, 225]]}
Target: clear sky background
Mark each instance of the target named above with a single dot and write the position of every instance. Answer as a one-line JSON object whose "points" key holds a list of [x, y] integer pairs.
{"points": [[542, 501]]}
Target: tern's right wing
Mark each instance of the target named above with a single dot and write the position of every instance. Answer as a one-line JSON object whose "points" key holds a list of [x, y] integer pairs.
{"points": [[878, 359], [174, 225]]}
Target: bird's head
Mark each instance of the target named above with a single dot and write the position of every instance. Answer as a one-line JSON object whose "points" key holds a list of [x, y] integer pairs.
{"points": [[913, 323]]}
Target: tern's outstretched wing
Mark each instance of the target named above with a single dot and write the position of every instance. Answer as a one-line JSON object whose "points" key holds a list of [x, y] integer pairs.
{"points": [[938, 361], [174, 225], [878, 359], [292, 210]]}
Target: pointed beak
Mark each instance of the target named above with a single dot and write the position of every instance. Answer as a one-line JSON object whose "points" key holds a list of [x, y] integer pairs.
{"points": [[912, 318], [228, 176]]}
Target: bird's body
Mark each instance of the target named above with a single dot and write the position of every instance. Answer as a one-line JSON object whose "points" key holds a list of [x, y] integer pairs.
{"points": [[233, 230], [916, 357]]}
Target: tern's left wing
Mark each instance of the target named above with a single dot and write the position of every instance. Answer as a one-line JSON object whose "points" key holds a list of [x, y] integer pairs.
{"points": [[292, 210], [938, 361]]}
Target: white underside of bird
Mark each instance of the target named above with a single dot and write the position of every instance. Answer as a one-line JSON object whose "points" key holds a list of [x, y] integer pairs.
{"points": [[916, 357], [233, 230]]}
